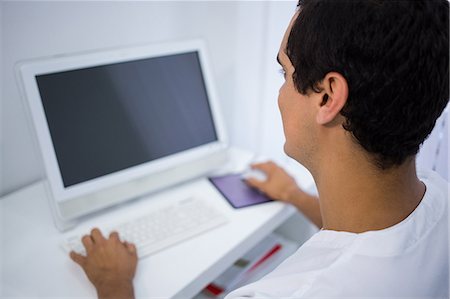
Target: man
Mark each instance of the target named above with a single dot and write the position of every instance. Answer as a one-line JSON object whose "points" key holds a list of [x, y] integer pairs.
{"points": [[365, 81]]}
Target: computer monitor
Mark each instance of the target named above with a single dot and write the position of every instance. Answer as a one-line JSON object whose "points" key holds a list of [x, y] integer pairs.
{"points": [[114, 125]]}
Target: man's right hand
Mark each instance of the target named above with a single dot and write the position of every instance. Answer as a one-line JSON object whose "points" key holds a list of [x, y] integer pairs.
{"points": [[281, 186]]}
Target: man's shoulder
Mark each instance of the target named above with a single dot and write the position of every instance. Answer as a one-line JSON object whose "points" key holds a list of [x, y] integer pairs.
{"points": [[435, 181]]}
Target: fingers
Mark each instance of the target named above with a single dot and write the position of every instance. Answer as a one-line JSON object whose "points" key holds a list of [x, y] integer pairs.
{"points": [[255, 183], [97, 236], [87, 242], [114, 236], [78, 258], [131, 248], [266, 167]]}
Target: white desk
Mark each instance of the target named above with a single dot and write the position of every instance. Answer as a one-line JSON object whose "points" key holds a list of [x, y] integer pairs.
{"points": [[34, 265]]}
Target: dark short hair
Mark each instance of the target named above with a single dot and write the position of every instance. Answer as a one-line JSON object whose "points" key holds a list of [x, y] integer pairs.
{"points": [[394, 55]]}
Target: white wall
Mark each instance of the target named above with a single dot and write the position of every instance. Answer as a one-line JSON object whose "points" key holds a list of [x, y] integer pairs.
{"points": [[38, 29], [434, 153], [1, 97]]}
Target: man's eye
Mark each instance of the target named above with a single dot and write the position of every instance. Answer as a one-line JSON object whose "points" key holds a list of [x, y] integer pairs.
{"points": [[282, 72]]}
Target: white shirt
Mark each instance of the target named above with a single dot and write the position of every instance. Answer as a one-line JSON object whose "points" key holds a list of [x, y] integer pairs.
{"points": [[409, 259]]}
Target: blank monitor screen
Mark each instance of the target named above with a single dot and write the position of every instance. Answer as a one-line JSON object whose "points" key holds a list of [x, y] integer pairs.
{"points": [[108, 118]]}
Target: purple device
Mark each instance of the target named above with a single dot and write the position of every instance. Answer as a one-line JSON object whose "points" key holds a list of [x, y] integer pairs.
{"points": [[237, 192]]}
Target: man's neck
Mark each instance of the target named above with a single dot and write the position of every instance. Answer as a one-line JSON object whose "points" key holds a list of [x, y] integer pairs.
{"points": [[356, 197]]}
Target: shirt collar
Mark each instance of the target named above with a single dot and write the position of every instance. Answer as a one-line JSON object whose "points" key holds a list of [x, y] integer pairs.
{"points": [[400, 237]]}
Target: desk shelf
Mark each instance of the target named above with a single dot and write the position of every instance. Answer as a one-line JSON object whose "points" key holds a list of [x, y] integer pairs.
{"points": [[292, 233], [265, 264]]}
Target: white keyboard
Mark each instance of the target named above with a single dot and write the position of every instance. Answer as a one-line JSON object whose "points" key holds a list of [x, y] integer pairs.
{"points": [[161, 228]]}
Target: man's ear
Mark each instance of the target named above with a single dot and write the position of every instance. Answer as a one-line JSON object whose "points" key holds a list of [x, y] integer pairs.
{"points": [[335, 93]]}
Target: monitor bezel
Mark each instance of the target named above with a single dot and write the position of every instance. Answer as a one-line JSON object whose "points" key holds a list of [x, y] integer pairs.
{"points": [[30, 69]]}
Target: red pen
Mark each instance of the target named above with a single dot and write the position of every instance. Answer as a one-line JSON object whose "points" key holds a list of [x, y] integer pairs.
{"points": [[274, 250]]}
